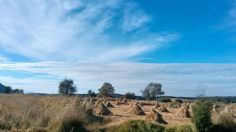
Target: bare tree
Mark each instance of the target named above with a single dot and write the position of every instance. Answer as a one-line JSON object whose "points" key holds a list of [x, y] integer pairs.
{"points": [[200, 91]]}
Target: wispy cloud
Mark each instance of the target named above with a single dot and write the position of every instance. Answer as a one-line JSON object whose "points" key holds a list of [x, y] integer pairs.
{"points": [[70, 30], [177, 79], [230, 19], [3, 59]]}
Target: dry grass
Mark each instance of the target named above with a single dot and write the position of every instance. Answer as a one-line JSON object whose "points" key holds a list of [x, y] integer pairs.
{"points": [[43, 113], [25, 113]]}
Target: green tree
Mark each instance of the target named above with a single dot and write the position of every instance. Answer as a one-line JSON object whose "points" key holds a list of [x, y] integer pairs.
{"points": [[21, 91], [152, 90], [7, 90], [129, 95], [67, 87], [106, 90], [91, 93]]}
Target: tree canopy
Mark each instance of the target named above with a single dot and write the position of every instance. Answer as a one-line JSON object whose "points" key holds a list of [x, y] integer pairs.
{"points": [[106, 90], [67, 87], [152, 90]]}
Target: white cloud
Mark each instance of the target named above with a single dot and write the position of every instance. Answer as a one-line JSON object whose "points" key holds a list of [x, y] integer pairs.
{"points": [[3, 59], [230, 19], [177, 79], [74, 30], [134, 18]]}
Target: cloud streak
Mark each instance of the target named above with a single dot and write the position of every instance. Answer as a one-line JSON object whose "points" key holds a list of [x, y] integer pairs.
{"points": [[69, 30], [177, 79]]}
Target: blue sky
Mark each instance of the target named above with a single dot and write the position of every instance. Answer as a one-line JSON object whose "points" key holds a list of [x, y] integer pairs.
{"points": [[126, 42]]}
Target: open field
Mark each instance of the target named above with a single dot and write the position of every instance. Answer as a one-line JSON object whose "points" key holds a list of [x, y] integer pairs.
{"points": [[49, 113]]}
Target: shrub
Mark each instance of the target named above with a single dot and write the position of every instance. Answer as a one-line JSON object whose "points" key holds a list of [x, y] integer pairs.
{"points": [[178, 100], [202, 115], [129, 96], [91, 93], [181, 128], [71, 124], [137, 126], [226, 121], [164, 100]]}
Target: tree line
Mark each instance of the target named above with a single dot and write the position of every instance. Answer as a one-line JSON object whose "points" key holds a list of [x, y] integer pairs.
{"points": [[9, 90], [150, 92]]}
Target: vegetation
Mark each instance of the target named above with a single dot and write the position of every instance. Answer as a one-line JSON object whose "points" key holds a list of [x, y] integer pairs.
{"points": [[137, 126], [67, 87], [9, 90], [143, 126], [91, 93], [152, 91], [179, 100], [202, 115], [129, 96], [164, 100], [180, 128], [225, 122], [46, 113], [107, 90]]}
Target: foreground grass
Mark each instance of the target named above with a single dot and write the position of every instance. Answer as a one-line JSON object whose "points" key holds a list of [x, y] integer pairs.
{"points": [[143, 126], [46, 113]]}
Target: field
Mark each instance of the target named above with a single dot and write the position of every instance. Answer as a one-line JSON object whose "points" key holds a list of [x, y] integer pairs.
{"points": [[58, 113]]}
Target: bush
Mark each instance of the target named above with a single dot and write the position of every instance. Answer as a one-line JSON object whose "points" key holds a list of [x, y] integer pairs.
{"points": [[182, 128], [226, 121], [129, 96], [71, 124], [164, 100], [178, 100], [137, 126], [91, 93], [202, 115]]}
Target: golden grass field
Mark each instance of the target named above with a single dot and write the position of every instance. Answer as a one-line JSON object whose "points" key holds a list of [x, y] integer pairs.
{"points": [[31, 113]]}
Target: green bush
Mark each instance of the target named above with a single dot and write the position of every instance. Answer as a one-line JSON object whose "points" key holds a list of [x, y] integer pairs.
{"points": [[71, 124], [137, 126], [220, 128], [182, 128], [225, 122], [164, 100], [202, 115], [179, 100]]}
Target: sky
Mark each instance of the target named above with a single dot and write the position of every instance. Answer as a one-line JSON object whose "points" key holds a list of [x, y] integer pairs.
{"points": [[183, 45]]}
